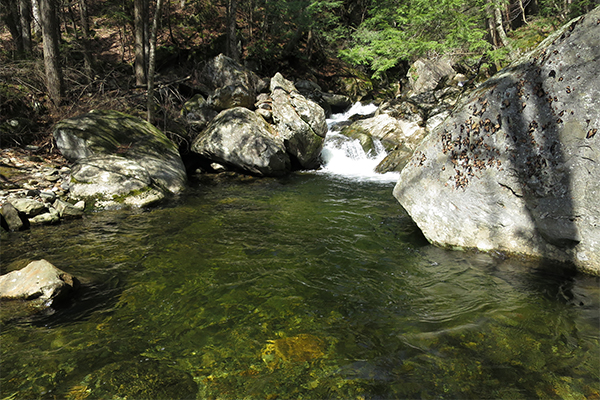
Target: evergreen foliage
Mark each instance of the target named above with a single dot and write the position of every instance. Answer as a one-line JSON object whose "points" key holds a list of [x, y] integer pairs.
{"points": [[398, 30]]}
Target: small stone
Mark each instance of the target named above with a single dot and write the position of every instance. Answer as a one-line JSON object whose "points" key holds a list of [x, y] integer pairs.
{"points": [[29, 207], [11, 221], [67, 210], [48, 218], [48, 196]]}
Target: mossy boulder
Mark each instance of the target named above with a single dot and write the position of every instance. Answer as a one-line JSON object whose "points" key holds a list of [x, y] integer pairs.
{"points": [[116, 151]]}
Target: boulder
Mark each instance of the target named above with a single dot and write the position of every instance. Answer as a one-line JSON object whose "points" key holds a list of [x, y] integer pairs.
{"points": [[337, 103], [399, 137], [67, 210], [242, 139], [197, 112], [515, 167], [425, 74], [51, 216], [11, 220], [39, 280], [383, 127], [233, 85], [28, 207], [299, 121], [111, 180], [123, 141]]}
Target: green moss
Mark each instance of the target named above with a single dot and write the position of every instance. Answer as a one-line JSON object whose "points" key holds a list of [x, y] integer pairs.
{"points": [[120, 198]]}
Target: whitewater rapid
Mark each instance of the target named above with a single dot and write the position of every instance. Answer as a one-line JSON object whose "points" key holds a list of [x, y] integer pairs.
{"points": [[344, 157]]}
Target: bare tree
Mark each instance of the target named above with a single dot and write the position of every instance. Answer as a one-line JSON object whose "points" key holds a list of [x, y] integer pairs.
{"points": [[232, 49], [25, 18], [88, 61], [152, 60], [140, 16], [54, 80]]}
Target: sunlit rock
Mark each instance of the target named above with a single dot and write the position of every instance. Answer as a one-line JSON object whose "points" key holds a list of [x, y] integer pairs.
{"points": [[39, 280], [515, 167], [242, 139], [116, 147], [232, 84], [300, 122]]}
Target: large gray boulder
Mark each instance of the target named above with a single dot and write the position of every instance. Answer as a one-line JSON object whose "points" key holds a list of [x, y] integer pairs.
{"points": [[242, 139], [425, 74], [40, 281], [300, 122], [515, 167], [110, 148], [232, 84]]}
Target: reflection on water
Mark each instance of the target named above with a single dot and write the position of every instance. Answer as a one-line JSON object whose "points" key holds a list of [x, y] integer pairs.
{"points": [[304, 287]]}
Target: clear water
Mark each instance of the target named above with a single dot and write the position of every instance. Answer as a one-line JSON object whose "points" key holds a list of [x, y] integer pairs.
{"points": [[314, 286]]}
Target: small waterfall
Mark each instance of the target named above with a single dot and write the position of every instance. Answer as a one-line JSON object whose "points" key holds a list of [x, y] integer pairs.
{"points": [[345, 157]]}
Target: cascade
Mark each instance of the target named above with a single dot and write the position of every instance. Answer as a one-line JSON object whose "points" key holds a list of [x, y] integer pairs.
{"points": [[344, 157]]}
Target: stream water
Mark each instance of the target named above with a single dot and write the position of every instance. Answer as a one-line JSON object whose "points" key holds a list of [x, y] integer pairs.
{"points": [[313, 286]]}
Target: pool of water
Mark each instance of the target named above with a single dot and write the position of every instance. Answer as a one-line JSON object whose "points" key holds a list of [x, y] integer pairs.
{"points": [[306, 287]]}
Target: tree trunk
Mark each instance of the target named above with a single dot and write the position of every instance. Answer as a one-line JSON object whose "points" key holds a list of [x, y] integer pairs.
{"points": [[232, 49], [152, 60], [54, 80], [88, 61], [37, 19], [25, 16], [10, 16], [140, 38], [500, 28]]}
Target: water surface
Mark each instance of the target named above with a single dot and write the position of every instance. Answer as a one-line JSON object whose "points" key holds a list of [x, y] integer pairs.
{"points": [[311, 287]]}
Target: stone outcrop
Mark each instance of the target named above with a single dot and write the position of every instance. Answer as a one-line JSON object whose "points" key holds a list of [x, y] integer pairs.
{"points": [[113, 151], [40, 281], [232, 84], [425, 74], [515, 166], [243, 140], [299, 121]]}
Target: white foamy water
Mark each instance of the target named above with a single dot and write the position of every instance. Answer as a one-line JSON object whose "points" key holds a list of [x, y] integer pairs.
{"points": [[345, 157]]}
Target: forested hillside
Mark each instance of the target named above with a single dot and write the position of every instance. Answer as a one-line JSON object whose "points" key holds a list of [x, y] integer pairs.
{"points": [[61, 58]]}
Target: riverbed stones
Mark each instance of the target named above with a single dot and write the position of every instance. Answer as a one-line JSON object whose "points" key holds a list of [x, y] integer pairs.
{"points": [[243, 140], [515, 167], [110, 147], [299, 121], [39, 280], [143, 379]]}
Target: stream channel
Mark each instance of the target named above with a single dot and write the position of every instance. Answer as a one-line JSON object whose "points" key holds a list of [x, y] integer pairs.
{"points": [[313, 286]]}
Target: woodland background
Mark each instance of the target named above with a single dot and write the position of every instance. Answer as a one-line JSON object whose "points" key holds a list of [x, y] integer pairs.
{"points": [[60, 58]]}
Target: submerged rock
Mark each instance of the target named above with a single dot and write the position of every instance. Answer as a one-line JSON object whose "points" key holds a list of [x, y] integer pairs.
{"points": [[515, 167], [139, 380]]}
